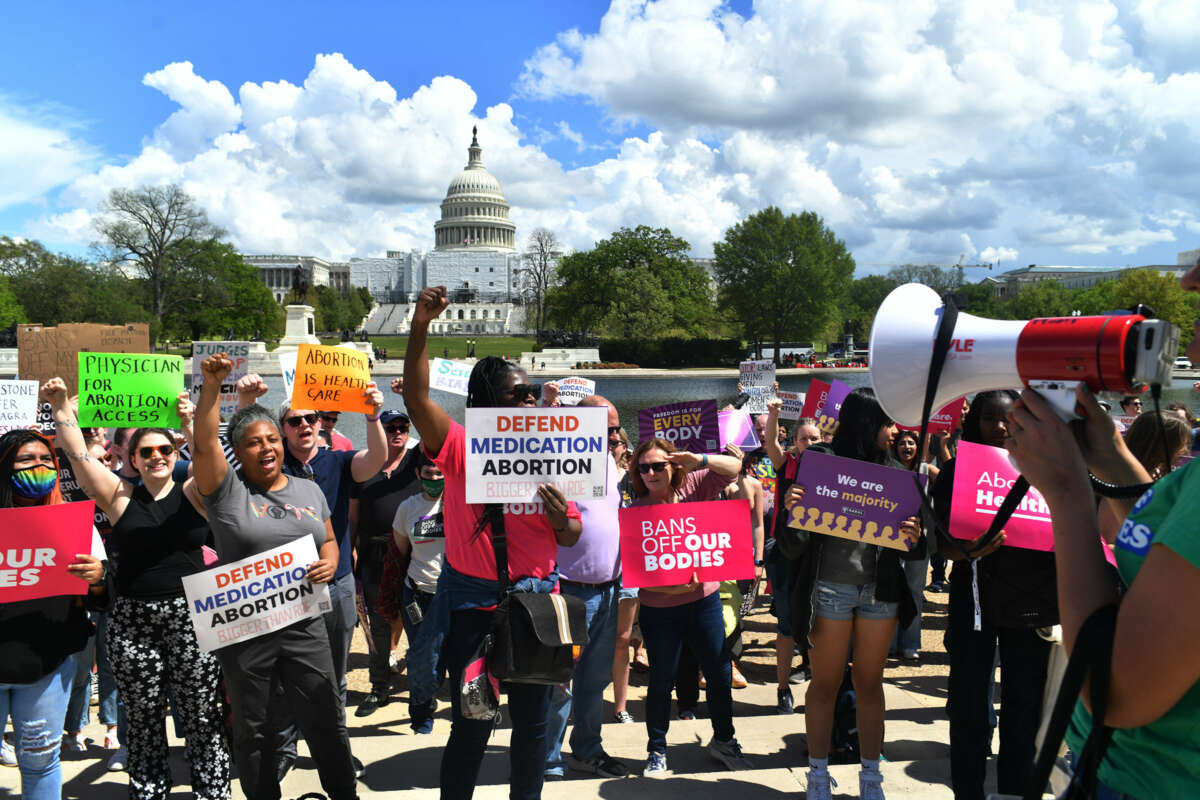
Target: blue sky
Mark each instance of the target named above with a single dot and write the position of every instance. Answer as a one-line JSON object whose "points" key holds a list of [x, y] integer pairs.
{"points": [[921, 132]]}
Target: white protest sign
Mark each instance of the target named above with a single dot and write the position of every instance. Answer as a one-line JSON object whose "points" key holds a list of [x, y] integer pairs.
{"points": [[18, 404], [449, 376], [512, 450], [572, 390], [793, 403], [254, 596], [287, 363], [239, 354], [758, 381]]}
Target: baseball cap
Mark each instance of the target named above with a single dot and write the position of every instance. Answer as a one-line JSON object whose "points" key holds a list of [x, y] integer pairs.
{"points": [[390, 415]]}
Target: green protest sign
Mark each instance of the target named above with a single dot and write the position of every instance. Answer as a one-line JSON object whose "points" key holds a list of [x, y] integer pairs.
{"points": [[130, 390]]}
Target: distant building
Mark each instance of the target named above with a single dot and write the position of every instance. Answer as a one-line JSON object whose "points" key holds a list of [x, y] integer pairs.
{"points": [[1069, 277]]}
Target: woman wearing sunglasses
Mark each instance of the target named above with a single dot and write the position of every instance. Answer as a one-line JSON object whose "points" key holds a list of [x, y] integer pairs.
{"points": [[457, 620], [158, 530]]}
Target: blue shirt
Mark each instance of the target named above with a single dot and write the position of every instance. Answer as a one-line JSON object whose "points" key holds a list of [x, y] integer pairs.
{"points": [[331, 471]]}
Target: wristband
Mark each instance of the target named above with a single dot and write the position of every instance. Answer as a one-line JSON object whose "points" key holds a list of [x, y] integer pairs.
{"points": [[375, 418], [704, 461]]}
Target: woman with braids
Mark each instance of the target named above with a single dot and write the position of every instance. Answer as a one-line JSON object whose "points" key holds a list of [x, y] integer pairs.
{"points": [[158, 529], [39, 638], [467, 589]]}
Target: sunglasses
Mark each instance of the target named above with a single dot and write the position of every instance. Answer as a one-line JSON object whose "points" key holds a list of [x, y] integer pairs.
{"points": [[523, 390], [163, 450], [653, 466], [306, 471], [397, 427], [330, 417], [311, 419], [613, 429]]}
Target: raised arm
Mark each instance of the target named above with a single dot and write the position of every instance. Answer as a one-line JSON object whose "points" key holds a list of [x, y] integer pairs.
{"points": [[249, 388], [771, 433], [94, 478], [726, 466], [368, 462], [432, 422], [208, 462]]}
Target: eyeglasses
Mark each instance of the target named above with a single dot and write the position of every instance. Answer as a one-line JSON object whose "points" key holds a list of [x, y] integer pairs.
{"points": [[653, 466], [307, 471], [613, 429], [397, 427], [310, 419], [523, 390], [163, 450]]}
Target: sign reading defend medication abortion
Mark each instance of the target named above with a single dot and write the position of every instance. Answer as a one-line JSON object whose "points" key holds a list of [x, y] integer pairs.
{"points": [[664, 544], [254, 596], [824, 403], [573, 389], [331, 378], [130, 390], [855, 500], [239, 354], [690, 426], [18, 405], [982, 477], [449, 376], [37, 543], [510, 451], [793, 405]]}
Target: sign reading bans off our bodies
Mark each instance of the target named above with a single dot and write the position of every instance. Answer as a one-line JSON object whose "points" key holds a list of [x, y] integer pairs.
{"points": [[254, 596], [129, 390], [510, 451], [664, 544], [36, 545], [331, 379]]}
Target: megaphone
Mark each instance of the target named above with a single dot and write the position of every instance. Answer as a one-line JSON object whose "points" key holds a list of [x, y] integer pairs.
{"points": [[1118, 353]]}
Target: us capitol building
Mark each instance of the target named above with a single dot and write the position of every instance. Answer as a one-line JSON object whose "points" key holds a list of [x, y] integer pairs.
{"points": [[474, 257]]}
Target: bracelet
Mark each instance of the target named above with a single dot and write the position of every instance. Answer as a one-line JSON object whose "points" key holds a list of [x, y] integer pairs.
{"points": [[375, 418], [704, 461]]}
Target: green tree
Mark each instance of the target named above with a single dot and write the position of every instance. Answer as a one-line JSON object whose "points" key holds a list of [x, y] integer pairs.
{"points": [[330, 309], [10, 309], [785, 276], [1163, 294], [940, 279], [862, 302], [228, 297], [1099, 298], [981, 300], [1040, 299]]}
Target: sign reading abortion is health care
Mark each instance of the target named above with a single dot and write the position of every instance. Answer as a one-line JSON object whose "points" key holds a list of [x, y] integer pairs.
{"points": [[982, 477], [254, 596], [130, 390], [664, 544], [331, 378], [510, 451], [855, 500], [449, 376], [18, 405], [823, 402], [239, 354], [690, 426], [36, 545]]}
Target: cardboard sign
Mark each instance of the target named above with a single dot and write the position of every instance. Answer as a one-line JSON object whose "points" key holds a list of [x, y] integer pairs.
{"points": [[572, 390], [130, 391], [855, 500], [449, 376], [758, 380], [982, 477], [18, 405], [512, 450], [944, 420], [691, 426], [330, 378], [737, 428], [239, 354], [37, 543], [824, 402], [254, 596], [45, 353], [664, 544], [793, 405], [287, 365]]}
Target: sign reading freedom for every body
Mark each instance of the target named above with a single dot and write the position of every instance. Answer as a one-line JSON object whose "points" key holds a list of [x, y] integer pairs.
{"points": [[690, 426], [512, 450], [129, 390], [254, 596], [36, 545], [663, 544], [331, 379]]}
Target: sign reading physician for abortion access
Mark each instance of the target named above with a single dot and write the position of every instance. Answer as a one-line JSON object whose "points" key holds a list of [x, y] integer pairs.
{"points": [[254, 596], [664, 544], [510, 451]]}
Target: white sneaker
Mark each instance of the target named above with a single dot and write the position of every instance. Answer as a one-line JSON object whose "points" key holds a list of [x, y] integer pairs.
{"points": [[8, 756], [656, 766], [74, 743], [116, 762], [870, 785], [819, 785]]}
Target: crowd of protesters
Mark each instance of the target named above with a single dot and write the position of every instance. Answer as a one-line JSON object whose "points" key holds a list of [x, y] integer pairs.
{"points": [[404, 554]]}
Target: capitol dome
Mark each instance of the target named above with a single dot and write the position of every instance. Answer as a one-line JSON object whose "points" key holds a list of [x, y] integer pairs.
{"points": [[474, 213]]}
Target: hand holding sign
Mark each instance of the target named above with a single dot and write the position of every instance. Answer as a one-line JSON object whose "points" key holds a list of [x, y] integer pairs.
{"points": [[334, 379], [88, 567], [321, 570]]}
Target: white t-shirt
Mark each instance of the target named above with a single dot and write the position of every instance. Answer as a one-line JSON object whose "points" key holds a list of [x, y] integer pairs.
{"points": [[420, 519]]}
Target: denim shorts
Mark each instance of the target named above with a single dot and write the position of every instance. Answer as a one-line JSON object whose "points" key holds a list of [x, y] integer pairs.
{"points": [[627, 594], [847, 600], [777, 571]]}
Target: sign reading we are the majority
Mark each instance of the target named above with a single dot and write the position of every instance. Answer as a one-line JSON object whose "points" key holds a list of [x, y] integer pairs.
{"points": [[510, 451], [665, 543], [37, 543], [44, 353], [239, 354], [330, 378], [691, 426], [130, 390], [18, 405]]}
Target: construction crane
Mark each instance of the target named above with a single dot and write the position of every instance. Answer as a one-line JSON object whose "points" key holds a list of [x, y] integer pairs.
{"points": [[958, 267]]}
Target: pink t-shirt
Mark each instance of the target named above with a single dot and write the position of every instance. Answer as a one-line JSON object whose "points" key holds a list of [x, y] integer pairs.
{"points": [[532, 548], [340, 442]]}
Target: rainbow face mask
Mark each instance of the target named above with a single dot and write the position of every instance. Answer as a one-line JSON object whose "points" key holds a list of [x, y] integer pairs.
{"points": [[34, 483]]}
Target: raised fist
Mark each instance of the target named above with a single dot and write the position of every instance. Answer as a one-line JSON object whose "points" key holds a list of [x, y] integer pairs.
{"points": [[430, 303], [216, 368]]}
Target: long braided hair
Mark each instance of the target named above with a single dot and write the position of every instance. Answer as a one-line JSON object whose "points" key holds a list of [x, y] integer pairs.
{"points": [[483, 392]]}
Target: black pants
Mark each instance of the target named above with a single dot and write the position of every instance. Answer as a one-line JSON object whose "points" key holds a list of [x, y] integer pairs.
{"points": [[1023, 659], [378, 667], [298, 659]]}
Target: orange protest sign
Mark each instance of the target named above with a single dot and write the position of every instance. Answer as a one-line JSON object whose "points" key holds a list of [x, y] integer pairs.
{"points": [[331, 379]]}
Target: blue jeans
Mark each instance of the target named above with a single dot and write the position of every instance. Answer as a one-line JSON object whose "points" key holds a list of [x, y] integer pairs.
{"points": [[701, 624], [37, 711], [81, 688], [914, 571], [593, 672], [420, 714]]}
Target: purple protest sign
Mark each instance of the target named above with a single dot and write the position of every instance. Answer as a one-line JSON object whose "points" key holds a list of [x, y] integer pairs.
{"points": [[855, 500], [737, 428], [690, 426], [824, 402]]}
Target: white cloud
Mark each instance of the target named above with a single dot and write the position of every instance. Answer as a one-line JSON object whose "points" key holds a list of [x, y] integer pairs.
{"points": [[206, 109], [575, 137], [39, 151], [999, 255]]}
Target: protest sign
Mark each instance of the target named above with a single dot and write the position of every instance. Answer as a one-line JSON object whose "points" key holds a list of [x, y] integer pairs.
{"points": [[737, 428], [449, 376], [239, 354], [45, 420], [944, 420], [572, 390], [758, 380], [793, 405], [44, 353], [37, 543], [512, 450], [982, 477], [690, 426], [130, 391], [287, 365], [254, 596], [18, 404], [823, 402], [663, 544], [855, 500], [331, 379]]}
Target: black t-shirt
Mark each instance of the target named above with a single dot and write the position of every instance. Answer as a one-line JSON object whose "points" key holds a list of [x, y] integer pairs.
{"points": [[159, 542], [378, 499]]}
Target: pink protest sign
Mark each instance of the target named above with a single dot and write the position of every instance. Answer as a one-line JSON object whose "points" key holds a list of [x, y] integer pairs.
{"points": [[664, 544], [944, 420], [36, 545], [823, 402], [982, 478], [737, 428]]}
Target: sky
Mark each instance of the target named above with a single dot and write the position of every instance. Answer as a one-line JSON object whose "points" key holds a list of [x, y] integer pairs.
{"points": [[987, 131]]}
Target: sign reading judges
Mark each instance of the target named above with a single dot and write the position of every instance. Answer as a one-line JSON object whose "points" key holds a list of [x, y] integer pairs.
{"points": [[690, 426], [254, 596], [129, 390], [512, 450], [664, 544], [36, 545], [331, 379], [239, 354]]}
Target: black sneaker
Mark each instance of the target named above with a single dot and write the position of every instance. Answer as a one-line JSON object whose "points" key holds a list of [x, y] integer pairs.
{"points": [[360, 768], [786, 704], [803, 673], [371, 703]]}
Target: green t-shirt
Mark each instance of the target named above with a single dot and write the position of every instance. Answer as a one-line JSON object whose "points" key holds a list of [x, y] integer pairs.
{"points": [[1160, 760]]}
